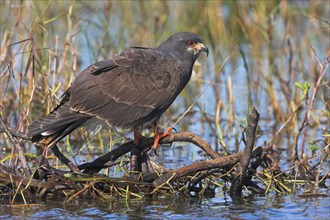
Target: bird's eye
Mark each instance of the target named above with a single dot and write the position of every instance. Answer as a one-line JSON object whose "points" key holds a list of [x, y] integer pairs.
{"points": [[191, 43]]}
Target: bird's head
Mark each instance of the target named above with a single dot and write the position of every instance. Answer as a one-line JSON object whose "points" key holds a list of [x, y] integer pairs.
{"points": [[185, 44]]}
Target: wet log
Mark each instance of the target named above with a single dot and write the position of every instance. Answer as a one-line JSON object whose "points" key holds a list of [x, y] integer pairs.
{"points": [[145, 145], [238, 182]]}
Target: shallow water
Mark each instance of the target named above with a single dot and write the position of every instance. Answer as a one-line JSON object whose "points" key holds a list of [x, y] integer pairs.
{"points": [[219, 207], [120, 34]]}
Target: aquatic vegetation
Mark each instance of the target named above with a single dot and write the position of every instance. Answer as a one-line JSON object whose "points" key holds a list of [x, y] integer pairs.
{"points": [[273, 56]]}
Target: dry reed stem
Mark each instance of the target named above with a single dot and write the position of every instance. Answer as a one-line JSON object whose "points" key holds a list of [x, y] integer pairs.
{"points": [[323, 67]]}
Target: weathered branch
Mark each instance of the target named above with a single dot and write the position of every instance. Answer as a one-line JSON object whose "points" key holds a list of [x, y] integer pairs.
{"points": [[237, 184], [144, 145], [64, 159], [200, 166]]}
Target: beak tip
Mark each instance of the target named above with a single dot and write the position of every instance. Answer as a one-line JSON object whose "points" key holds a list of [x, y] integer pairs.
{"points": [[206, 50]]}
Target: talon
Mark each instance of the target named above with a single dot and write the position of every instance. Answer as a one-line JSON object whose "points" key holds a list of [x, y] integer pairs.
{"points": [[159, 135], [155, 152], [173, 128]]}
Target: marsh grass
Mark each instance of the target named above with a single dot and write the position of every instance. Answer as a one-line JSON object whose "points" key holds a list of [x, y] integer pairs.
{"points": [[271, 45]]}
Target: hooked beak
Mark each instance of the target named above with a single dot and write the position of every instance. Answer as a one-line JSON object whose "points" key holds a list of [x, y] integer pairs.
{"points": [[202, 47]]}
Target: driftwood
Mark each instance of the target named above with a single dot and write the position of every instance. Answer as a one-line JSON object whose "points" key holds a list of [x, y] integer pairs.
{"points": [[238, 182], [204, 168]]}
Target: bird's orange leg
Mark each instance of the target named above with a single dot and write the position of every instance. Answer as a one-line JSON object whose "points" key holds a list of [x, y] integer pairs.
{"points": [[137, 136], [159, 135]]}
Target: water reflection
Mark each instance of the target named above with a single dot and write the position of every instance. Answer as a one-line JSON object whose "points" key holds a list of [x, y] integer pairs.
{"points": [[182, 207], [118, 33]]}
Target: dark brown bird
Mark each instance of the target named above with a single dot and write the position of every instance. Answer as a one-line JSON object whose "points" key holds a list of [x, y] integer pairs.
{"points": [[131, 89]]}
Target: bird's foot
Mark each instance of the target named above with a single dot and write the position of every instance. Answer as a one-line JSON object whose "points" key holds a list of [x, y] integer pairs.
{"points": [[158, 136]]}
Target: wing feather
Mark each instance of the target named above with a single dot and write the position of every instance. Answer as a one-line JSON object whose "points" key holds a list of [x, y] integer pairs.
{"points": [[128, 87]]}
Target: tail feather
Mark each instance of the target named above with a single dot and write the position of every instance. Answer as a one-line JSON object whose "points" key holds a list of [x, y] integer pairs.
{"points": [[56, 125]]}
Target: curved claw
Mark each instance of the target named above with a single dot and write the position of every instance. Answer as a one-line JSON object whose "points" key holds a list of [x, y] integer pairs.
{"points": [[155, 152]]}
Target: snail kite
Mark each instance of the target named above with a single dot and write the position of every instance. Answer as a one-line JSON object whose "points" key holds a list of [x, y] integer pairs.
{"points": [[131, 89]]}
